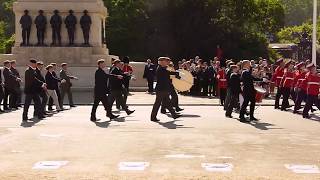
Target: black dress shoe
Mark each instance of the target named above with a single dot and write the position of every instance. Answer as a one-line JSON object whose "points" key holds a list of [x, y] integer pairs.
{"points": [[229, 116], [129, 112], [155, 120], [253, 119], [179, 109], [306, 116], [243, 120], [50, 109], [73, 106], [163, 112], [113, 117], [176, 116], [2, 111]]}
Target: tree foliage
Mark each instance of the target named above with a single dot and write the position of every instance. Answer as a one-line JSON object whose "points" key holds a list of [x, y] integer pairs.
{"points": [[297, 12]]}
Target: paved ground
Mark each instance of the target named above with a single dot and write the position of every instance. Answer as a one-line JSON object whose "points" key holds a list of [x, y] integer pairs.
{"points": [[94, 150]]}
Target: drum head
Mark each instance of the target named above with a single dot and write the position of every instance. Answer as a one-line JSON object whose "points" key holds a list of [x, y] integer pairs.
{"points": [[260, 90], [185, 83]]}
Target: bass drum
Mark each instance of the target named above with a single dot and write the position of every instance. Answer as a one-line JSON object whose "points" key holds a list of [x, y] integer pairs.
{"points": [[185, 83]]}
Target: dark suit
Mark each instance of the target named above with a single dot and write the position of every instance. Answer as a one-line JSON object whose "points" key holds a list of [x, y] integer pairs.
{"points": [[249, 93], [149, 73], [100, 92], [42, 92], [56, 86], [117, 88], [10, 81], [52, 81], [32, 89], [163, 88], [17, 86], [66, 87], [234, 89]]}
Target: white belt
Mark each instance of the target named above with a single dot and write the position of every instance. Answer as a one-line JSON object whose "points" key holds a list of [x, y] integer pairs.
{"points": [[301, 79], [223, 79], [290, 78], [313, 83], [279, 77]]}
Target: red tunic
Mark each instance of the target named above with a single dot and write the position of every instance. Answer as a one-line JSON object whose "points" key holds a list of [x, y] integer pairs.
{"points": [[313, 84], [222, 80], [299, 77], [127, 68], [287, 80], [277, 76]]}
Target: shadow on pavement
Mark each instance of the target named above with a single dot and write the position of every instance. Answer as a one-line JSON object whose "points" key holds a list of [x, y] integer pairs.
{"points": [[30, 123], [105, 124], [172, 125]]}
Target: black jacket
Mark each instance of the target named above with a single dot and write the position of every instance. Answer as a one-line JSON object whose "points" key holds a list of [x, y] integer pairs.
{"points": [[52, 81], [234, 84], [17, 74], [32, 83], [248, 82], [163, 79], [149, 71], [114, 83], [10, 79], [101, 82]]}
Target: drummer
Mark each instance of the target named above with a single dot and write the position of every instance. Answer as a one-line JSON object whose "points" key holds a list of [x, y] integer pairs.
{"points": [[287, 84]]}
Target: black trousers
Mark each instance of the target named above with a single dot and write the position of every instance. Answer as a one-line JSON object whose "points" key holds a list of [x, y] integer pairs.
{"points": [[50, 104], [43, 101], [67, 91], [211, 88], [223, 93], [162, 97], [311, 100], [40, 36], [286, 92], [26, 36], [204, 87], [227, 99], [232, 103], [173, 100], [248, 97], [150, 85], [301, 96], [1, 94], [37, 105], [278, 96], [105, 102], [11, 95], [118, 97]]}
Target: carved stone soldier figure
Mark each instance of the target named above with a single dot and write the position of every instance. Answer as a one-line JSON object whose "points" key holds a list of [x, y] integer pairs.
{"points": [[71, 21], [56, 22], [41, 23], [26, 23], [85, 23]]}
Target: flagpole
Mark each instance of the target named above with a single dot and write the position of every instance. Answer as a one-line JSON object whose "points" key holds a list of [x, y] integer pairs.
{"points": [[314, 33]]}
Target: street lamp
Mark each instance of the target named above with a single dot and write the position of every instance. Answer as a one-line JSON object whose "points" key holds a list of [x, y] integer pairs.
{"points": [[314, 33]]}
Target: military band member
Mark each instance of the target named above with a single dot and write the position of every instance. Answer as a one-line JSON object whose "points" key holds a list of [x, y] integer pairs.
{"points": [[313, 85], [17, 83], [276, 78], [50, 104], [234, 89], [300, 86], [101, 89], [127, 70], [10, 81], [249, 93], [149, 73], [222, 83], [32, 90], [66, 87], [287, 84], [117, 87], [163, 89]]}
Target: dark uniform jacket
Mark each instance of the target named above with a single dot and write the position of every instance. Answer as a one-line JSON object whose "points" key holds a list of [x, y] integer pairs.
{"points": [[52, 81], [101, 82], [234, 84], [149, 71], [10, 79], [32, 83], [163, 79], [17, 74], [114, 83], [64, 75], [248, 82]]}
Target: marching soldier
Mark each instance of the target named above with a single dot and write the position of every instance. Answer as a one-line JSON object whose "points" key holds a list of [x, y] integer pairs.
{"points": [[300, 86], [17, 83], [234, 90], [32, 90], [42, 91], [276, 78], [163, 89], [101, 89], [52, 82], [222, 83], [10, 81], [287, 84], [313, 85]]}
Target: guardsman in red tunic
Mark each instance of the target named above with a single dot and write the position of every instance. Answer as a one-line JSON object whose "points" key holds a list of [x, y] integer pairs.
{"points": [[300, 86], [313, 85], [276, 78], [287, 84], [222, 83]]}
